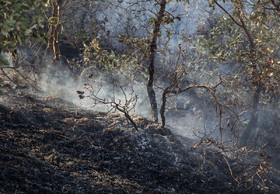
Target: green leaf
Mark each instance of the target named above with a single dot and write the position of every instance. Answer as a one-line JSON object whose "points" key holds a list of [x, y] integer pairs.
{"points": [[24, 23], [19, 39], [4, 32], [17, 6], [9, 23], [3, 61], [27, 32]]}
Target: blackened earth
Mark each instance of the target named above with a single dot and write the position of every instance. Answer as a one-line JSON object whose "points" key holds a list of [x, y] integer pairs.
{"points": [[49, 146]]}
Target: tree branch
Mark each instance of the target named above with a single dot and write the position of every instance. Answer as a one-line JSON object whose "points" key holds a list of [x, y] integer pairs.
{"points": [[233, 19]]}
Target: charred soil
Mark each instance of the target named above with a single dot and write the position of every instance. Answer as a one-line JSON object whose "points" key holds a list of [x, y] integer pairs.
{"points": [[50, 146]]}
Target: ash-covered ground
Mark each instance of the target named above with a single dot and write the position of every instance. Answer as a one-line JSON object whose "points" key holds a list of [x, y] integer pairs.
{"points": [[50, 146]]}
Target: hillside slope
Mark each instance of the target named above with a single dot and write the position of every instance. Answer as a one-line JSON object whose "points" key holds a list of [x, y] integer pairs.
{"points": [[49, 146]]}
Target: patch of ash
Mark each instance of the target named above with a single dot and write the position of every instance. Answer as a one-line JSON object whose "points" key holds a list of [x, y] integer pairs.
{"points": [[48, 145]]}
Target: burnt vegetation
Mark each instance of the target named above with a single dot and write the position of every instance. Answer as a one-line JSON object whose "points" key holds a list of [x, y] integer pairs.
{"points": [[136, 97]]}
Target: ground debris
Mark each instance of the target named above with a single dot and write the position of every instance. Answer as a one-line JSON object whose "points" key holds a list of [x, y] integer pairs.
{"points": [[49, 146]]}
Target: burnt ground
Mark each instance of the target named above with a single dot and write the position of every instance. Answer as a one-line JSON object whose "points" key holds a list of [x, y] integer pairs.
{"points": [[50, 146]]}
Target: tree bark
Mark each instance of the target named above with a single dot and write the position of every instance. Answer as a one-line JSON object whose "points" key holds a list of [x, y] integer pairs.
{"points": [[53, 41], [163, 105], [153, 50]]}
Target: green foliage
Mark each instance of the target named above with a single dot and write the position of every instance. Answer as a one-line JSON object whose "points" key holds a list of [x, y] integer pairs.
{"points": [[3, 61], [79, 13], [223, 42], [110, 62], [139, 47], [20, 21], [228, 41]]}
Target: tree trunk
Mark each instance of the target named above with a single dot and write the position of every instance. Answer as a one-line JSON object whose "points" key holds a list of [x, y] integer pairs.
{"points": [[153, 50], [163, 105], [53, 41], [253, 123]]}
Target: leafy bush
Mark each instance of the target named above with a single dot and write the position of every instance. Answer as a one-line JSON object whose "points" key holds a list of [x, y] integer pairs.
{"points": [[112, 63], [20, 21]]}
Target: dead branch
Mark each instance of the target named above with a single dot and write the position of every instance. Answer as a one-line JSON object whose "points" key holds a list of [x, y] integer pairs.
{"points": [[175, 89], [124, 106], [26, 79]]}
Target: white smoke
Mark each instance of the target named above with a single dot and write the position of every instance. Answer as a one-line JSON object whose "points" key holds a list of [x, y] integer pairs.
{"points": [[61, 82]]}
